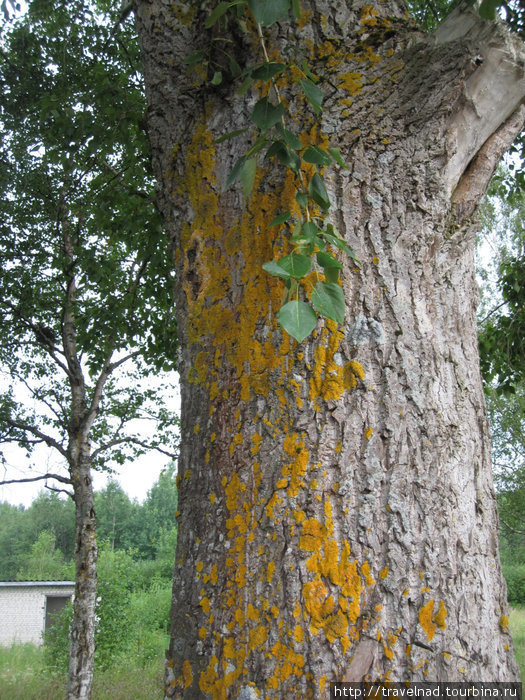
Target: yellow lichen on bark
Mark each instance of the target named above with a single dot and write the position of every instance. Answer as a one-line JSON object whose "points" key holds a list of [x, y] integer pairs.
{"points": [[187, 674], [221, 258], [329, 379], [430, 620], [440, 616], [425, 620]]}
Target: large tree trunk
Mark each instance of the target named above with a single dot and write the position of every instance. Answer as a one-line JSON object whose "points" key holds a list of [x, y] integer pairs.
{"points": [[337, 514]]}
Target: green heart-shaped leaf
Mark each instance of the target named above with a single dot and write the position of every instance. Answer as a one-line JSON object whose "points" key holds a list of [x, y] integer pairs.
{"points": [[298, 319], [328, 300]]}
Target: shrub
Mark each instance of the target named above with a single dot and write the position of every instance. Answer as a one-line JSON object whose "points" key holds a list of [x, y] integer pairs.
{"points": [[515, 577], [56, 641], [129, 622], [150, 613]]}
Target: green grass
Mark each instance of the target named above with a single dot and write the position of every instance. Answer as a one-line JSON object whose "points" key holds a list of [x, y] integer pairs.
{"points": [[23, 676], [517, 628]]}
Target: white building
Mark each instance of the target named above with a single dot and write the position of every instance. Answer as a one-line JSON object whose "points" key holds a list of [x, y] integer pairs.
{"points": [[27, 608]]}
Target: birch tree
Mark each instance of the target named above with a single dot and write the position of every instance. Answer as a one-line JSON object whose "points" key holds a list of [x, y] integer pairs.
{"points": [[85, 286]]}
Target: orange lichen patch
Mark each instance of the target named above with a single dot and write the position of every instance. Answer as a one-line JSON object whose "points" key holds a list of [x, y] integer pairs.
{"points": [[384, 572], [233, 490], [331, 561], [371, 55], [388, 644], [208, 677], [187, 674], [388, 652], [274, 501], [440, 616], [205, 262], [298, 634], [201, 367], [287, 662], [335, 626], [429, 620], [352, 372], [352, 83], [352, 588], [329, 380], [257, 637], [327, 376], [236, 440], [317, 601], [504, 623], [304, 19], [312, 536], [270, 571], [365, 570], [328, 564], [252, 613], [205, 605], [368, 12], [293, 446], [368, 433], [256, 439], [228, 649]]}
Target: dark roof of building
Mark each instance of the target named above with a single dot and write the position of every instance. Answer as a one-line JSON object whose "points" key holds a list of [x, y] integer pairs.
{"points": [[36, 583]]}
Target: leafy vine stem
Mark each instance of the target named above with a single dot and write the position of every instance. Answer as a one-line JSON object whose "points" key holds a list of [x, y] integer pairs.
{"points": [[314, 239]]}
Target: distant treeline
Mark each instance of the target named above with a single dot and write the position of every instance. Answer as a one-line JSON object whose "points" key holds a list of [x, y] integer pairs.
{"points": [[37, 543]]}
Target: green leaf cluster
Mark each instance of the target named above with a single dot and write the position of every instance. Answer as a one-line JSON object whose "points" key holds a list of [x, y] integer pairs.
{"points": [[315, 242], [502, 337], [80, 233]]}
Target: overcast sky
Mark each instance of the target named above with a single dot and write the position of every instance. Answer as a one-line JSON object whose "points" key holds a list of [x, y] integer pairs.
{"points": [[135, 477]]}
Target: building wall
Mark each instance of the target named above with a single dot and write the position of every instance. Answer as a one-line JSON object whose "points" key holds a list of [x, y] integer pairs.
{"points": [[23, 611]]}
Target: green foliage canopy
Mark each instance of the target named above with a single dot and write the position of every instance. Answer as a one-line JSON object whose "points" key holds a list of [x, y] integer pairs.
{"points": [[86, 278]]}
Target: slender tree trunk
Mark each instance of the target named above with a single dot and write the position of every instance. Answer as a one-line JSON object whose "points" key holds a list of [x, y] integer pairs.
{"points": [[82, 415], [82, 636], [337, 513]]}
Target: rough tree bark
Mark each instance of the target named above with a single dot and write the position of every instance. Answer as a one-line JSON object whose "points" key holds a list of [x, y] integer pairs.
{"points": [[82, 635], [337, 513]]}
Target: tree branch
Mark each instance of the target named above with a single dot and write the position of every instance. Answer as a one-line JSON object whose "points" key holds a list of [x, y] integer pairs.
{"points": [[57, 477], [25, 427], [68, 493], [512, 529], [119, 441], [41, 340], [493, 311]]}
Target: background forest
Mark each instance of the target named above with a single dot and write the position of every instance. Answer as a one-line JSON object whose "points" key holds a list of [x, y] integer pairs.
{"points": [[137, 542]]}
